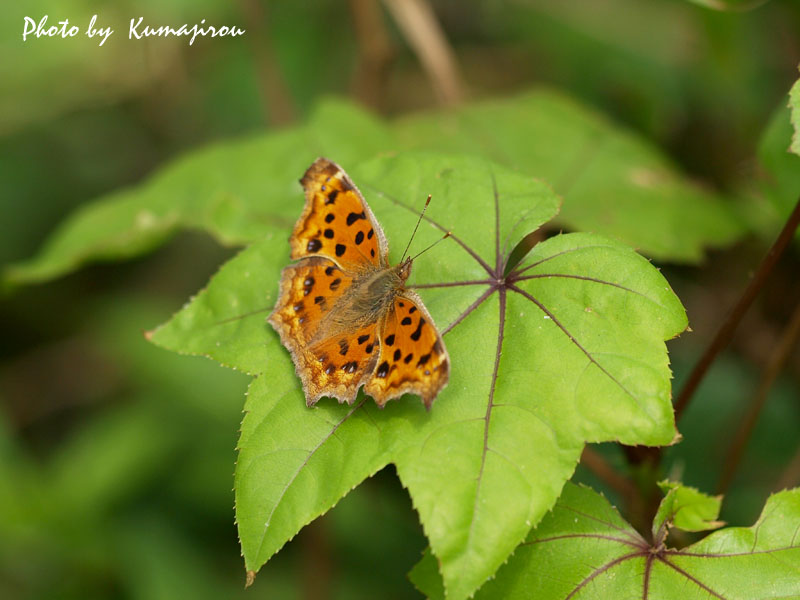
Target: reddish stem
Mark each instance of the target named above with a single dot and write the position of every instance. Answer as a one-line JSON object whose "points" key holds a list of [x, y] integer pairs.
{"points": [[728, 327]]}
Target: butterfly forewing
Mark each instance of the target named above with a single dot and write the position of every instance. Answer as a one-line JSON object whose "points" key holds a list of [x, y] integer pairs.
{"points": [[336, 221], [413, 358]]}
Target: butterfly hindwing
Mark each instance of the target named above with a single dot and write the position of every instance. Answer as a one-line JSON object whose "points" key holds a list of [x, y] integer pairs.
{"points": [[412, 358], [309, 290], [340, 363], [336, 221], [330, 361]]}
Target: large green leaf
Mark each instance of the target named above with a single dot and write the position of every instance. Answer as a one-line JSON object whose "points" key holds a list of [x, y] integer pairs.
{"points": [[612, 181], [568, 347], [235, 191], [584, 549]]}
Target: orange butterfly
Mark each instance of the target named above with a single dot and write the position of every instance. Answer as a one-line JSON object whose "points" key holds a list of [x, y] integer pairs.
{"points": [[343, 312]]}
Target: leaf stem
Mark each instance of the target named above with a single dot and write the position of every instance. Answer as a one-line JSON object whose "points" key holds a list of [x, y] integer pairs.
{"points": [[279, 107], [417, 22], [598, 465], [726, 330], [775, 364], [375, 52]]}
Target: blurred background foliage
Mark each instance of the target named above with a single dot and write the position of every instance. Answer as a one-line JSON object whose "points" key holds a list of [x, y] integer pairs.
{"points": [[116, 458]]}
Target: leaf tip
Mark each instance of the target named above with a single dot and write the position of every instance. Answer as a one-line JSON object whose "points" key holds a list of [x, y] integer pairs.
{"points": [[249, 579]]}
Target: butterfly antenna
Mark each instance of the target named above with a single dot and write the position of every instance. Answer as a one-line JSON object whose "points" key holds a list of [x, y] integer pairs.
{"points": [[422, 214], [444, 237]]}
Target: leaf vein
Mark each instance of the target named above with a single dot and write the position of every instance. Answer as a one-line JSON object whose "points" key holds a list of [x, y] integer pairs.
{"points": [[299, 469], [588, 354]]}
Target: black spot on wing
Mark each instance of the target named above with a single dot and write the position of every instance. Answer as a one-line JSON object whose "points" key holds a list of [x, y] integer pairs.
{"points": [[363, 338], [329, 218], [340, 249], [406, 321], [343, 346], [332, 197], [353, 217], [418, 330], [390, 340], [383, 370], [350, 367], [313, 245], [335, 284], [328, 233], [359, 237], [397, 354]]}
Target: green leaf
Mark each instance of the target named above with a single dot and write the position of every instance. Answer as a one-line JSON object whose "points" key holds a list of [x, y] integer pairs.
{"points": [[569, 347], [781, 182], [794, 105], [685, 508], [613, 182], [425, 576], [585, 549], [294, 464], [239, 191], [236, 191]]}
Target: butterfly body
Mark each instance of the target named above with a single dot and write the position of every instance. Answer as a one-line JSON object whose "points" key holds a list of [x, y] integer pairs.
{"points": [[343, 312]]}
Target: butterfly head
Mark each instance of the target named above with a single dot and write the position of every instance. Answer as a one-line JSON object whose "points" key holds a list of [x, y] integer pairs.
{"points": [[404, 268]]}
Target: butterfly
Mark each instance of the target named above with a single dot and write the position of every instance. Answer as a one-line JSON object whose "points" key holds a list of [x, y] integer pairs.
{"points": [[343, 312]]}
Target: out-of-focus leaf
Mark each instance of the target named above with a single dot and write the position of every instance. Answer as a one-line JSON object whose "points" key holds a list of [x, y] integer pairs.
{"points": [[107, 459], [781, 181], [584, 549], [794, 105], [612, 182], [237, 191], [730, 5], [46, 76], [686, 508], [580, 322]]}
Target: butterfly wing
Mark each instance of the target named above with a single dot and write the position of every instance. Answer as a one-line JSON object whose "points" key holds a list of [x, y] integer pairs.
{"points": [[337, 222], [328, 360], [413, 358]]}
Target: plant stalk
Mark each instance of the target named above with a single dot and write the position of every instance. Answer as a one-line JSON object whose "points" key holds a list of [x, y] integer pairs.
{"points": [[728, 327]]}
